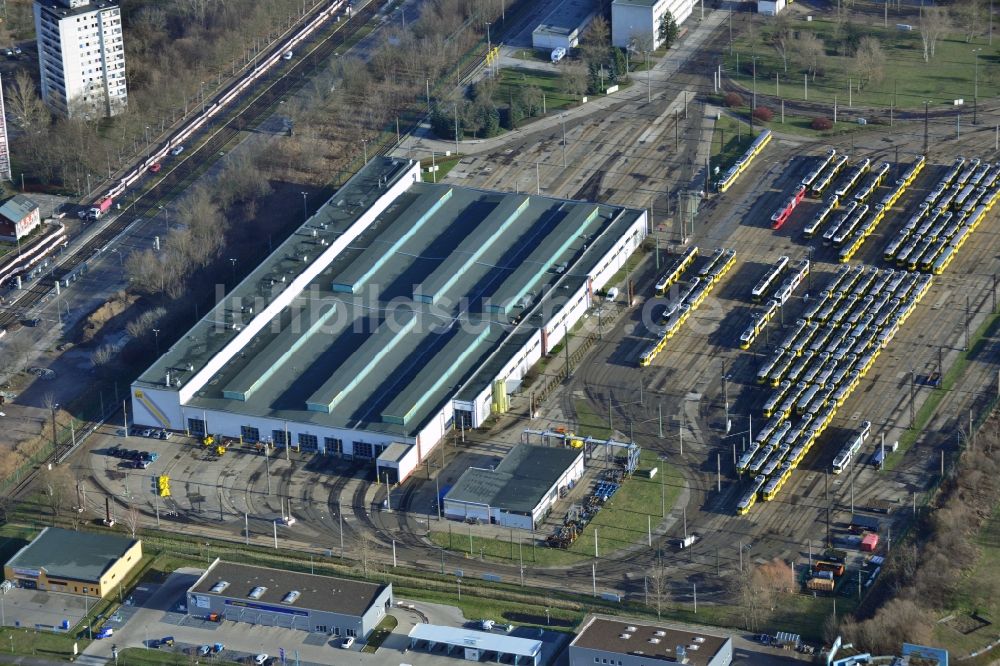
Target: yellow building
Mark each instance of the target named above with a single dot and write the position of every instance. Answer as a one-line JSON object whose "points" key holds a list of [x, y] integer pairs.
{"points": [[86, 563]]}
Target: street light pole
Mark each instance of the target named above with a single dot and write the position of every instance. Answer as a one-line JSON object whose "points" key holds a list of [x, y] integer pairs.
{"points": [[156, 339], [305, 209]]}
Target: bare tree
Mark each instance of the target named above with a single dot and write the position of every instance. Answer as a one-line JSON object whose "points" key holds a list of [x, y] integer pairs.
{"points": [[132, 519], [811, 51], [934, 24], [869, 61], [658, 582], [596, 41], [574, 79], [781, 37], [58, 485], [25, 107], [969, 16]]}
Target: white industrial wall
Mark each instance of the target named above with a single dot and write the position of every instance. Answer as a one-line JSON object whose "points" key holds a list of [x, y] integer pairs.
{"points": [[465, 510], [573, 473], [642, 22], [284, 299], [770, 7], [615, 258]]}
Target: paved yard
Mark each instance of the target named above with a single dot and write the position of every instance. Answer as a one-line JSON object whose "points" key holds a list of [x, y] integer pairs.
{"points": [[45, 610]]}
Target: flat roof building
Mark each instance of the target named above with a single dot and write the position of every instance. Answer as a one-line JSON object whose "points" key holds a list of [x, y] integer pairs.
{"points": [[278, 598], [564, 25], [519, 491], [399, 310], [85, 563], [623, 643]]}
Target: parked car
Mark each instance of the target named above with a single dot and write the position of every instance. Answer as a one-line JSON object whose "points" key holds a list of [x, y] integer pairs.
{"points": [[166, 434], [288, 55], [167, 641], [9, 53], [204, 650], [218, 647], [147, 432], [105, 632], [17, 50], [115, 451], [155, 167], [347, 642], [260, 659], [177, 150]]}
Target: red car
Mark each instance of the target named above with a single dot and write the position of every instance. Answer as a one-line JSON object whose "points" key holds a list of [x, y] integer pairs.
{"points": [[155, 167]]}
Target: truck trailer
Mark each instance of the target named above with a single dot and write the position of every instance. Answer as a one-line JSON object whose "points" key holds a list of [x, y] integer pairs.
{"points": [[96, 212]]}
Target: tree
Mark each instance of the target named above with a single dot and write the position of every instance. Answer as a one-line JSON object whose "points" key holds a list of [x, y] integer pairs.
{"points": [[668, 30], [595, 42], [619, 64], [933, 25], [531, 100], [573, 80], [57, 485], [733, 99], [25, 107], [658, 585], [781, 37], [763, 114], [969, 16], [811, 51], [869, 60], [132, 519]]}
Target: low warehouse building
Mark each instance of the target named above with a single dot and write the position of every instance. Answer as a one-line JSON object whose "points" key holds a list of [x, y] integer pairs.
{"points": [[622, 643], [564, 25], [85, 563], [277, 598], [519, 491], [19, 216], [476, 645], [399, 311]]}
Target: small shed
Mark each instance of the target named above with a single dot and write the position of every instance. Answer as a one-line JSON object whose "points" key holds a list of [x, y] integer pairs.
{"points": [[869, 542]]}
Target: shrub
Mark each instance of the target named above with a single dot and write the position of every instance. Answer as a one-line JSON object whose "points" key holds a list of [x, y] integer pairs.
{"points": [[763, 114], [821, 124], [733, 99]]}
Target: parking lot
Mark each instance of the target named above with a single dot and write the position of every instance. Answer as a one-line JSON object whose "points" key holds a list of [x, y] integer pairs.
{"points": [[161, 614]]}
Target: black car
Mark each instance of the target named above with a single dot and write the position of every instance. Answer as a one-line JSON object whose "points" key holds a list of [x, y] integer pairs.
{"points": [[115, 451], [132, 454], [146, 455]]}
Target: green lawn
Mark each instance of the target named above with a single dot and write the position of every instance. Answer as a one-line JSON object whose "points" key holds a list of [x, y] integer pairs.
{"points": [[907, 80], [381, 632], [589, 423], [443, 164], [622, 522], [515, 79], [43, 644], [729, 141], [979, 592]]}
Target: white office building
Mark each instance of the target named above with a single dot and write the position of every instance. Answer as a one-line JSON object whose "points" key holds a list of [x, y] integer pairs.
{"points": [[637, 22], [81, 56]]}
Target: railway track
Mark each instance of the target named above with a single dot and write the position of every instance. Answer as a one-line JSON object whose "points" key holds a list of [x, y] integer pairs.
{"points": [[270, 89]]}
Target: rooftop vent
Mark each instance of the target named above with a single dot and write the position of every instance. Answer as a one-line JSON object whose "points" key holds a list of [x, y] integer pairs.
{"points": [[257, 592], [693, 647], [698, 639], [631, 629], [625, 637], [654, 641], [291, 597], [220, 586], [660, 632]]}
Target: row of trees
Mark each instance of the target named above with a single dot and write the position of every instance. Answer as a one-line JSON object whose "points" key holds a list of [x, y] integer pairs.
{"points": [[176, 53], [924, 577]]}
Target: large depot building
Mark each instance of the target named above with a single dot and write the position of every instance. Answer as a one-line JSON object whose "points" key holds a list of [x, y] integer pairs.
{"points": [[398, 310]]}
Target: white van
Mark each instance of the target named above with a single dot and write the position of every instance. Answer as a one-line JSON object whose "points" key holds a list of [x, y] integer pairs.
{"points": [[611, 295], [288, 55], [558, 54]]}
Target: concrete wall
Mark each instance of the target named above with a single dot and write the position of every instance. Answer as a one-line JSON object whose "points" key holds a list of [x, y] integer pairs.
{"points": [[642, 22], [119, 571]]}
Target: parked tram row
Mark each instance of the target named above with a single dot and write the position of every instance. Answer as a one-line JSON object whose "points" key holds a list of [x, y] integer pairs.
{"points": [[945, 220], [818, 366], [763, 289], [743, 163], [691, 295]]}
